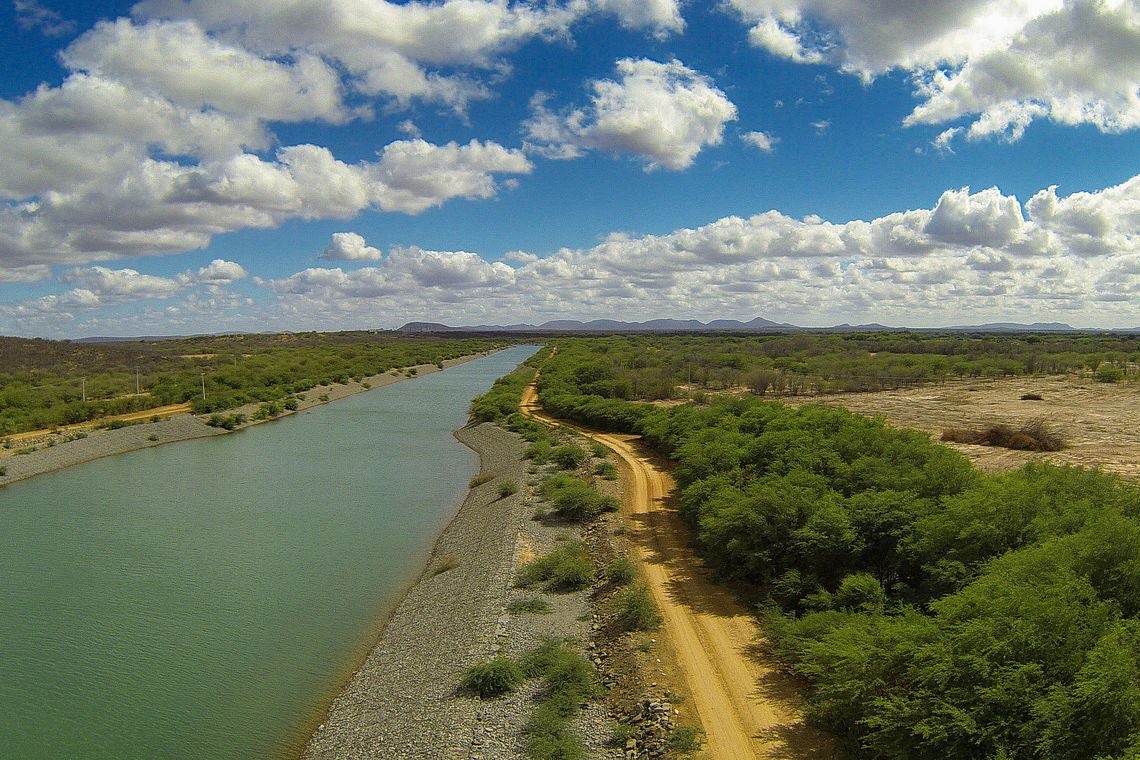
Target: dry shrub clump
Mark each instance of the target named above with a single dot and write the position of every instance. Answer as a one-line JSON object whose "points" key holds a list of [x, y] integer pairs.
{"points": [[1035, 435]]}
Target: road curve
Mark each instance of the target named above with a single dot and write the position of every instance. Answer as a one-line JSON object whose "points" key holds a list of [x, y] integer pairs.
{"points": [[747, 709]]}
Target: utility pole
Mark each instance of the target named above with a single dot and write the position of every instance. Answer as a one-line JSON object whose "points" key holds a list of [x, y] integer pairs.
{"points": [[83, 386], [137, 381], [203, 386]]}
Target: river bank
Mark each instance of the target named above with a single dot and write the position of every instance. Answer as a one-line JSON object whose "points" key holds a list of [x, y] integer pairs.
{"points": [[404, 701], [51, 452]]}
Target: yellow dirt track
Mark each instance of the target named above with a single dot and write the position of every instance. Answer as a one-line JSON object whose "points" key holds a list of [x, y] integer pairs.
{"points": [[746, 707]]}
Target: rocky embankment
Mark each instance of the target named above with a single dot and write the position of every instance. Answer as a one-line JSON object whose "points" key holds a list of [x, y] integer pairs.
{"points": [[405, 700]]}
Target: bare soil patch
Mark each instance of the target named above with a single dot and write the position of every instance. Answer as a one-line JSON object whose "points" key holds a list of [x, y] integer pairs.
{"points": [[1097, 421]]}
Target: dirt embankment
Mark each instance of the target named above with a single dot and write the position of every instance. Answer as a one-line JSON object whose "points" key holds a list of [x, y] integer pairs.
{"points": [[747, 708], [1097, 421]]}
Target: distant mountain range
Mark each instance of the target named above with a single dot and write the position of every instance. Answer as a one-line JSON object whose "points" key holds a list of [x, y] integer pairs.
{"points": [[759, 324]]}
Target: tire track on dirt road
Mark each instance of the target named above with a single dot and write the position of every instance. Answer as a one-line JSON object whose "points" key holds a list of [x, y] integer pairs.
{"points": [[746, 707]]}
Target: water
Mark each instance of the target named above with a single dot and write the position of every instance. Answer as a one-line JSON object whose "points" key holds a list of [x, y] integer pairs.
{"points": [[202, 599]]}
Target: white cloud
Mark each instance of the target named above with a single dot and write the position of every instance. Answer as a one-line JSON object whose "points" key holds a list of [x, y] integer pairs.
{"points": [[978, 254], [661, 17], [1003, 63], [664, 113], [100, 287], [165, 207], [177, 60], [348, 246], [31, 14], [764, 142], [404, 50]]}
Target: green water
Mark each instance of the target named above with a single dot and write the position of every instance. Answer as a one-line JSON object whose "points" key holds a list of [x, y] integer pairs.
{"points": [[201, 600]]}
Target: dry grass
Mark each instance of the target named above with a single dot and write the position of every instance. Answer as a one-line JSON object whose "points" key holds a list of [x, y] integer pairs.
{"points": [[1035, 435]]}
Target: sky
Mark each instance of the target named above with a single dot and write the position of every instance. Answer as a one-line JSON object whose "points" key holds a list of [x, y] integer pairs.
{"points": [[172, 167]]}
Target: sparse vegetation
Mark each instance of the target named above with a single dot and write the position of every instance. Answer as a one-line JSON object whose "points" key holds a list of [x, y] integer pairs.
{"points": [[635, 610], [479, 480], [493, 678], [1032, 397], [621, 571], [1035, 435], [684, 740], [606, 470], [508, 488], [568, 456], [567, 568], [534, 605], [574, 499]]}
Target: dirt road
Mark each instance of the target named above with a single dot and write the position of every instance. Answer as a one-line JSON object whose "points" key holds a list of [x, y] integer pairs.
{"points": [[158, 411], [746, 707]]}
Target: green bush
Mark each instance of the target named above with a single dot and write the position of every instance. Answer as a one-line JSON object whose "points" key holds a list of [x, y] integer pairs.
{"points": [[635, 609], [570, 680], [606, 469], [621, 571], [534, 605], [598, 449], [508, 488], [569, 456], [539, 451], [573, 499], [493, 678], [567, 568], [684, 740]]}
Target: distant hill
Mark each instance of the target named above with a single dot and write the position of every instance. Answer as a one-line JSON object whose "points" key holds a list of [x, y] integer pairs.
{"points": [[1016, 327]]}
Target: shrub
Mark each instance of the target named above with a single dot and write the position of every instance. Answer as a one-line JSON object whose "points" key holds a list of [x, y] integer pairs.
{"points": [[621, 571], [152, 437], [684, 740], [539, 451], [1032, 397], [1108, 373], [534, 605], [606, 469], [598, 449], [479, 480], [635, 609], [493, 678], [566, 568], [1035, 435], [508, 488], [569, 456], [573, 499], [3, 471], [860, 592]]}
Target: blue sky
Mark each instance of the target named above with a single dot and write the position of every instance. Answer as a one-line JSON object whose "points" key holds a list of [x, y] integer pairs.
{"points": [[174, 166]]}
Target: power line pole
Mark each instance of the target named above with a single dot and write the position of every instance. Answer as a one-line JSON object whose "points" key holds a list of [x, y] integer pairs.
{"points": [[83, 386], [203, 386], [136, 381]]}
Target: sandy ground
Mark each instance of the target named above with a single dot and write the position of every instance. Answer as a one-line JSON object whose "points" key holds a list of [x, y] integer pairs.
{"points": [[42, 451], [746, 707], [1100, 422]]}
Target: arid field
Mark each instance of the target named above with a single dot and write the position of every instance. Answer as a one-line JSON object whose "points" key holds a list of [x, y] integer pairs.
{"points": [[1099, 422]]}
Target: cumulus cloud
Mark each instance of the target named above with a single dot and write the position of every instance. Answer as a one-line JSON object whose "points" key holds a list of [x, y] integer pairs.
{"points": [[348, 246], [409, 51], [1003, 63], [661, 17], [164, 206], [761, 141], [664, 113], [180, 61], [974, 253], [99, 287]]}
